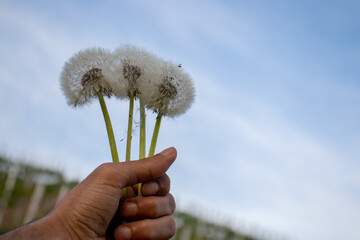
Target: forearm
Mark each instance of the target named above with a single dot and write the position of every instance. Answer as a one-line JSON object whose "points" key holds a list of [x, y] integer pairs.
{"points": [[41, 229]]}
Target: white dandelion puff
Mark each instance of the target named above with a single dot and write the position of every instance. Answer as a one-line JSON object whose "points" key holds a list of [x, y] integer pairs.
{"points": [[174, 92], [131, 66], [173, 95], [83, 78], [132, 73]]}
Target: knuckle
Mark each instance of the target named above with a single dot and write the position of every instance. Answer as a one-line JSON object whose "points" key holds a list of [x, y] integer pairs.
{"points": [[102, 168], [105, 169], [101, 172], [105, 175]]}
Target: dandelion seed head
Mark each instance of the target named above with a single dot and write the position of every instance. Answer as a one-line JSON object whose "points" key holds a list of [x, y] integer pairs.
{"points": [[131, 73], [167, 88], [130, 68], [82, 77], [174, 92]]}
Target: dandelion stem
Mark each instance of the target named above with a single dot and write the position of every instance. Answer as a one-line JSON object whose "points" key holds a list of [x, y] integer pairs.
{"points": [[155, 135], [142, 145], [129, 132], [109, 129], [129, 137], [142, 149]]}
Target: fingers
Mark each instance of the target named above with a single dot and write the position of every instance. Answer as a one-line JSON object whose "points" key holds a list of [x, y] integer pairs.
{"points": [[153, 213], [124, 174], [158, 187], [147, 207], [159, 228], [149, 168]]}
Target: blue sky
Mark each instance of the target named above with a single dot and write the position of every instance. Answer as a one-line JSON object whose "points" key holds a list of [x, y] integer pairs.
{"points": [[272, 140]]}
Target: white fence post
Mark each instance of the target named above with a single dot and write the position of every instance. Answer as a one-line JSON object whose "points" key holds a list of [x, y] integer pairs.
{"points": [[35, 201], [9, 187]]}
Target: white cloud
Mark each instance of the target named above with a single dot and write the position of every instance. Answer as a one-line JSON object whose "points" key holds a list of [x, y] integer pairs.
{"points": [[238, 153], [262, 167]]}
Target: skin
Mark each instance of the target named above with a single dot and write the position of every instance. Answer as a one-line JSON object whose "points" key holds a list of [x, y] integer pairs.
{"points": [[93, 210]]}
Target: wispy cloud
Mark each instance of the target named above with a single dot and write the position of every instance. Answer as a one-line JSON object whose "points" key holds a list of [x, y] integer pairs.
{"points": [[272, 137], [274, 172]]}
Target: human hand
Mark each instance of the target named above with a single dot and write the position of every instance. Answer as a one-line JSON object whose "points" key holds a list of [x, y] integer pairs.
{"points": [[92, 210], [89, 208]]}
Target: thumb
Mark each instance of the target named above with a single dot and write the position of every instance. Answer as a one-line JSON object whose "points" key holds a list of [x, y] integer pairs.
{"points": [[130, 173]]}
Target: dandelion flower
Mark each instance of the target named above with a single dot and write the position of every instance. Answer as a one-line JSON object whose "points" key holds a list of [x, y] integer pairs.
{"points": [[174, 91], [131, 66], [82, 77], [173, 95]]}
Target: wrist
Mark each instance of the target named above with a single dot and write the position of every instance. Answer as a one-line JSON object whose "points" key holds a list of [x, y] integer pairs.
{"points": [[41, 229]]}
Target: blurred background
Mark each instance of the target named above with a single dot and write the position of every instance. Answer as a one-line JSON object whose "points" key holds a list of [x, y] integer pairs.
{"points": [[270, 147]]}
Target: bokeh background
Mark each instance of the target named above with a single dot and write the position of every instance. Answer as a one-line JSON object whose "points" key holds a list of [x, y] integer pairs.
{"points": [[272, 140]]}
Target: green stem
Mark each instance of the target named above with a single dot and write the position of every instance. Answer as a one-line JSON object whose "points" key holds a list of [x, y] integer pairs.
{"points": [[142, 148], [129, 138], [129, 133], [109, 129], [155, 135]]}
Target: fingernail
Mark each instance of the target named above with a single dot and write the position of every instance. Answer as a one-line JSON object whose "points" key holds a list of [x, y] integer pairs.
{"points": [[167, 151], [150, 188], [123, 233], [131, 209]]}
